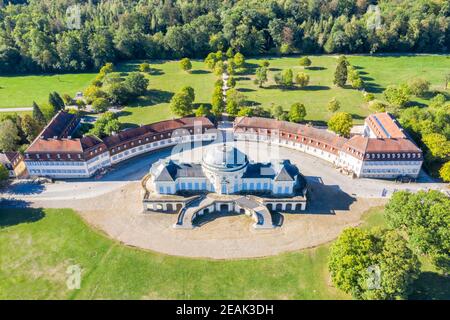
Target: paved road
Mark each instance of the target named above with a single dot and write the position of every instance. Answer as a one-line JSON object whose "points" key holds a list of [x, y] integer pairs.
{"points": [[317, 171], [15, 109]]}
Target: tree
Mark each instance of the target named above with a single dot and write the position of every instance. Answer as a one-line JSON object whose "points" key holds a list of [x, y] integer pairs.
{"points": [[265, 63], [285, 78], [30, 127], [118, 93], [231, 82], [397, 95], [305, 62], [105, 125], [297, 113], [144, 67], [211, 60], [4, 173], [230, 67], [9, 136], [239, 60], [418, 86], [425, 217], [202, 111], [55, 100], [93, 92], [229, 53], [136, 84], [219, 68], [261, 76], [181, 102], [100, 105], [245, 112], [302, 79], [333, 105], [341, 123], [277, 112], [218, 105], [106, 69], [372, 264], [38, 116], [67, 99], [186, 64], [444, 172], [340, 75], [232, 107], [438, 145]]}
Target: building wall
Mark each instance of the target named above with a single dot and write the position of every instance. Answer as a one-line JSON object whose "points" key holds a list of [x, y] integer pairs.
{"points": [[84, 169]]}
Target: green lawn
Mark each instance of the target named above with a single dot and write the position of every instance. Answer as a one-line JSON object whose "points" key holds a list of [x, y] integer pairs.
{"points": [[377, 72], [37, 246], [167, 78], [21, 90]]}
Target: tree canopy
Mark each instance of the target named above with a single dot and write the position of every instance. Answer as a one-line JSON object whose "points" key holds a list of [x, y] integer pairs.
{"points": [[341, 123], [374, 264], [35, 36], [425, 217]]}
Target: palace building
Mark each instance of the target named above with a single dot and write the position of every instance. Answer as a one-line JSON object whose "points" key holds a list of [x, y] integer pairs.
{"points": [[383, 151], [225, 170], [224, 181], [56, 154]]}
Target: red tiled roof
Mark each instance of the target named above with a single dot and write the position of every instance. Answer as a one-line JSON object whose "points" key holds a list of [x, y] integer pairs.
{"points": [[54, 145], [155, 128], [57, 127], [385, 126], [320, 135], [366, 145]]}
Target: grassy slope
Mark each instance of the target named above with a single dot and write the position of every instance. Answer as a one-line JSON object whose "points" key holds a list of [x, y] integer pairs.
{"points": [[167, 78], [377, 72], [35, 257], [20, 91], [37, 246]]}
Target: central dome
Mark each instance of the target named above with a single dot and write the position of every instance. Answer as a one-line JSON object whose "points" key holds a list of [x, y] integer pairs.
{"points": [[224, 157]]}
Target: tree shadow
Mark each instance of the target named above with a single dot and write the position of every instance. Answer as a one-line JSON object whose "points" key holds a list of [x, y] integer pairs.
{"points": [[200, 72], [365, 78], [373, 87], [315, 88], [274, 69], [245, 90], [431, 286], [123, 113], [251, 103], [155, 72], [315, 68], [357, 116], [152, 97], [242, 78], [128, 125], [25, 188], [14, 216]]}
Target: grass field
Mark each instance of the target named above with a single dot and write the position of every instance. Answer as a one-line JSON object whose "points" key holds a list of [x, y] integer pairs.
{"points": [[167, 78], [20, 91], [37, 246], [377, 71]]}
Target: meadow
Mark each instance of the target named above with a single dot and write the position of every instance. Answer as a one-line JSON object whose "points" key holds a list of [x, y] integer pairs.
{"points": [[166, 78], [38, 245], [19, 91]]}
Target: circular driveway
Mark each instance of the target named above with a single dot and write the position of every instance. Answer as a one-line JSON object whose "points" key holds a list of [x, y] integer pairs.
{"points": [[113, 204]]}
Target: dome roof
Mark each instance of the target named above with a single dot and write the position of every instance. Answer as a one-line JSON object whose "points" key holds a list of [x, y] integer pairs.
{"points": [[224, 157]]}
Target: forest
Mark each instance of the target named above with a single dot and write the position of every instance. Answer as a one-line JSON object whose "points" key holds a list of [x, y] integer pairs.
{"points": [[36, 36]]}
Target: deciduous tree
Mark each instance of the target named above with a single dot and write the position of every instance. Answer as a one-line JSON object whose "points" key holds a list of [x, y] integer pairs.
{"points": [[341, 123]]}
